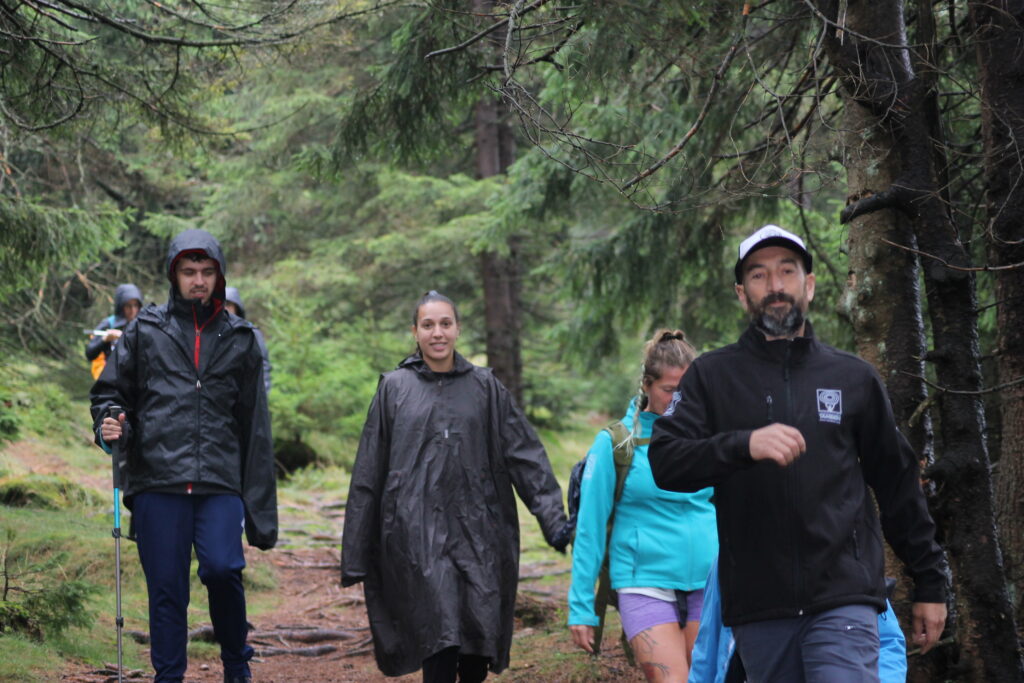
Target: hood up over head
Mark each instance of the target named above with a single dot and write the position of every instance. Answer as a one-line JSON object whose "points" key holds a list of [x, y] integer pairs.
{"points": [[231, 295], [123, 295], [196, 241]]}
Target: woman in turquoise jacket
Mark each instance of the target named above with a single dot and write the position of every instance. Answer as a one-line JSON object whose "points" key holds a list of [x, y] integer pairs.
{"points": [[662, 542]]}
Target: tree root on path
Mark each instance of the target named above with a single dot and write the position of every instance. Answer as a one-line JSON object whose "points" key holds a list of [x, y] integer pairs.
{"points": [[316, 651], [302, 634]]}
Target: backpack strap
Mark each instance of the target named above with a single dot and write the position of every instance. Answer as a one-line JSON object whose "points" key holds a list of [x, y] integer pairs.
{"points": [[623, 444]]}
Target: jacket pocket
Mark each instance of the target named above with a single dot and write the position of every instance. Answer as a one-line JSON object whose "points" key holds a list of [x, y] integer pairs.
{"points": [[389, 501]]}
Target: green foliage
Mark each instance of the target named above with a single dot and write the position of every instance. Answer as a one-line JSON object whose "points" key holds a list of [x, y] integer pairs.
{"points": [[408, 109], [38, 597], [38, 238], [16, 618], [55, 609], [35, 400], [325, 372], [8, 420]]}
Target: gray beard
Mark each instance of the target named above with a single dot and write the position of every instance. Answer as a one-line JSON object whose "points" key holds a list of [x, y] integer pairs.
{"points": [[786, 326]]}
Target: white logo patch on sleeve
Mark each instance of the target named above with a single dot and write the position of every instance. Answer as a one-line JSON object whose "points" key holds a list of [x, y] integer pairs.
{"points": [[830, 405], [672, 406]]}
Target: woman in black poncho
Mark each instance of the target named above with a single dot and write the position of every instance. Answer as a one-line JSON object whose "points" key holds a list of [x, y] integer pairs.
{"points": [[431, 527]]}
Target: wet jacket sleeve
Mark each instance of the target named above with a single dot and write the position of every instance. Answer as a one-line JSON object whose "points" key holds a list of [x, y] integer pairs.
{"points": [[362, 523], [94, 347], [266, 358], [597, 494], [259, 478], [117, 385], [890, 468], [685, 454], [529, 468]]}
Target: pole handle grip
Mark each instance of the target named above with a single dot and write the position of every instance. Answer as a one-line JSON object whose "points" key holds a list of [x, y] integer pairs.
{"points": [[115, 411]]}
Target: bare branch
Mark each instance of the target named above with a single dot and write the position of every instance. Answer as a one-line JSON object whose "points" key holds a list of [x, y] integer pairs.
{"points": [[484, 33], [965, 392], [719, 75], [947, 264]]}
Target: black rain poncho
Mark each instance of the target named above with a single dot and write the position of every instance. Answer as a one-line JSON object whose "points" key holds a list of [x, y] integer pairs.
{"points": [[431, 526]]}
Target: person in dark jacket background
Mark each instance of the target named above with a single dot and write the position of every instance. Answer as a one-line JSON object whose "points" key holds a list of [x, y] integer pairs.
{"points": [[233, 302], [431, 527], [127, 304], [199, 461], [791, 433]]}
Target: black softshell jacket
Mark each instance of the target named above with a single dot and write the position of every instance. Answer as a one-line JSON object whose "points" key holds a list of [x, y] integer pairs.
{"points": [[803, 538], [208, 426], [431, 526]]}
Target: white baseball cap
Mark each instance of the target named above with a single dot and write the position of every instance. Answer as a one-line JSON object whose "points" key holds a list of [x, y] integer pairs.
{"points": [[771, 236]]}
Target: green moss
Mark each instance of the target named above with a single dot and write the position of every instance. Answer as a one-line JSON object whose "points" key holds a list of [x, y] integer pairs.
{"points": [[47, 492]]}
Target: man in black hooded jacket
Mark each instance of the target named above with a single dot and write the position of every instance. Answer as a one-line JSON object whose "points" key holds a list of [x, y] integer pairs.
{"points": [[792, 433], [199, 462]]}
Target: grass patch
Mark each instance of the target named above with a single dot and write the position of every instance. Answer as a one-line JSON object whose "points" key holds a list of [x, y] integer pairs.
{"points": [[25, 660]]}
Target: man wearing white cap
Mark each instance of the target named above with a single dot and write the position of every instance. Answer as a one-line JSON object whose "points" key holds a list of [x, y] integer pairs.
{"points": [[791, 433]]}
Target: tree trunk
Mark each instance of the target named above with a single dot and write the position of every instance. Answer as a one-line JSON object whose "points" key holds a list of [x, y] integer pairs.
{"points": [[883, 80], [1000, 49], [499, 271], [883, 303]]}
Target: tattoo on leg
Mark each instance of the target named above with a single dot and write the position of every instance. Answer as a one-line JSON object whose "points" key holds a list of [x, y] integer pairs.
{"points": [[647, 639], [654, 670]]}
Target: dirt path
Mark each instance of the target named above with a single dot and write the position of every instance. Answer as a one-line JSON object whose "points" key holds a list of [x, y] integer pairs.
{"points": [[312, 598]]}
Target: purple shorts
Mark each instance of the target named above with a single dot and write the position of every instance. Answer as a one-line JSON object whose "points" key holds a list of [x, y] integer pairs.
{"points": [[640, 612]]}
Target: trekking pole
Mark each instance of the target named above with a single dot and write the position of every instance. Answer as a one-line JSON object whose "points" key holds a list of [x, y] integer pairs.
{"points": [[115, 450]]}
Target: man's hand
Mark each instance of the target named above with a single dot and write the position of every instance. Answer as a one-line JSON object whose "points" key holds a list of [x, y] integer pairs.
{"points": [[583, 636], [777, 442], [929, 620], [111, 336], [111, 429]]}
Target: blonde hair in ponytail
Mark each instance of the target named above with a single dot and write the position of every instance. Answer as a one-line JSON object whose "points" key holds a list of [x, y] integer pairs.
{"points": [[666, 349]]}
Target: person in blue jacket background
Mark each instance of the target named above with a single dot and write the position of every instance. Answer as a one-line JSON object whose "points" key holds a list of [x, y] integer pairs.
{"points": [[713, 653], [662, 543]]}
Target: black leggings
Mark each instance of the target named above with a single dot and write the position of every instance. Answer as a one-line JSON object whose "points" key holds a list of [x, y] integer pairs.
{"points": [[442, 667]]}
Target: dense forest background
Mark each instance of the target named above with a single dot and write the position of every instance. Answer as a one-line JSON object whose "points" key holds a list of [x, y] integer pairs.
{"points": [[574, 176]]}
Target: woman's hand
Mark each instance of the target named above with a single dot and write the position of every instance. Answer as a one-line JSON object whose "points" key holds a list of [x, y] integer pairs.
{"points": [[583, 636]]}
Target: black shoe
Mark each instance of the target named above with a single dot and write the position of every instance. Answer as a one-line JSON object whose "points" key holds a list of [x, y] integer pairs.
{"points": [[237, 679]]}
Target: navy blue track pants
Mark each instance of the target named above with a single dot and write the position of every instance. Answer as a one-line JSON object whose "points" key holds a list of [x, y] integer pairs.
{"points": [[167, 526]]}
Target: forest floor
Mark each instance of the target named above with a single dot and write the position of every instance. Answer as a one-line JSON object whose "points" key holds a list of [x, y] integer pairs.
{"points": [[308, 603]]}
